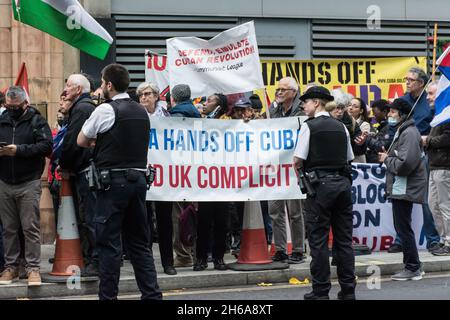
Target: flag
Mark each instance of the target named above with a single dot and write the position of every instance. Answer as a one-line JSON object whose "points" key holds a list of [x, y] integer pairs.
{"points": [[22, 79], [66, 20], [442, 102]]}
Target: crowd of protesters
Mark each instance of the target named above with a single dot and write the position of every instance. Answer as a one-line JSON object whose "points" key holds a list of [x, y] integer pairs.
{"points": [[418, 164]]}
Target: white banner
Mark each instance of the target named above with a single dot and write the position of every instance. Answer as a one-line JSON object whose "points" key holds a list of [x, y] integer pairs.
{"points": [[228, 63], [156, 71], [223, 160], [372, 214]]}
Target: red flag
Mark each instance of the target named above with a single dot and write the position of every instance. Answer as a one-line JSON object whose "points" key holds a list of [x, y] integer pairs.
{"points": [[22, 79], [267, 99]]}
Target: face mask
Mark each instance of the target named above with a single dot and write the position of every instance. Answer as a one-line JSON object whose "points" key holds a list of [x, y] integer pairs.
{"points": [[61, 122], [392, 121], [15, 113]]}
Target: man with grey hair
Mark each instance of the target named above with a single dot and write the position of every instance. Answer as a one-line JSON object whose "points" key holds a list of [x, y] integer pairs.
{"points": [[289, 105], [26, 140], [288, 99], [437, 144], [416, 80], [181, 100], [74, 162]]}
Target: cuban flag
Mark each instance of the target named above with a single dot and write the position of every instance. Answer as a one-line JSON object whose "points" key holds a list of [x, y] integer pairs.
{"points": [[442, 103]]}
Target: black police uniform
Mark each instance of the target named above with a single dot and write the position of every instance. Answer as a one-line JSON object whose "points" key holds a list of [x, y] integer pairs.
{"points": [[331, 206], [121, 157]]}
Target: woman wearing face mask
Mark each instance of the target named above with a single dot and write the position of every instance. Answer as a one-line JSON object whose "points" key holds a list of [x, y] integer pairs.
{"points": [[406, 183], [215, 106]]}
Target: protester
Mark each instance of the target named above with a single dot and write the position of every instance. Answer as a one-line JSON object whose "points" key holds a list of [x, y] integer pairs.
{"points": [[358, 110], [148, 94], [343, 101], [384, 134], [290, 105], [416, 79], [22, 162], [53, 177], [181, 106], [405, 184], [120, 130], [181, 102], [215, 106], [2, 259], [74, 161], [212, 214], [437, 145]]}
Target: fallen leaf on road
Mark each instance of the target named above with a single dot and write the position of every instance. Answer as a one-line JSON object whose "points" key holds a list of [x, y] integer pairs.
{"points": [[263, 284], [295, 281]]}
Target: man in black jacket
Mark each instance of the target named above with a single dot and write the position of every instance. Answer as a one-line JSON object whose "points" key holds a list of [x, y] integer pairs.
{"points": [[437, 144], [25, 141], [75, 161]]}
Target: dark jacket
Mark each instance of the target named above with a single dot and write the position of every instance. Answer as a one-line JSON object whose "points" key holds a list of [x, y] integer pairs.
{"points": [[438, 147], [406, 177], [355, 131], [33, 145], [375, 143], [422, 113], [296, 109], [185, 109], [73, 157]]}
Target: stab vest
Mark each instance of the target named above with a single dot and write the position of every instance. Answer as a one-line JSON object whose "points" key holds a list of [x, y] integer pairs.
{"points": [[125, 145], [327, 144]]}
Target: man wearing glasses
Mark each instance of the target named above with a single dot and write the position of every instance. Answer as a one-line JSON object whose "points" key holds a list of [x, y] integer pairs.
{"points": [[289, 105]]}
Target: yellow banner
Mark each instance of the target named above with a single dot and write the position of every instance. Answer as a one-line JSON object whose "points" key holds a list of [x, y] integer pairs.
{"points": [[368, 79]]}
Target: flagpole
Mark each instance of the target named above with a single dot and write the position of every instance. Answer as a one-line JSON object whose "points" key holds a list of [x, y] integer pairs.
{"points": [[434, 48], [267, 105]]}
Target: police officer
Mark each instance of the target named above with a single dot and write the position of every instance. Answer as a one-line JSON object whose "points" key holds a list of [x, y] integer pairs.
{"points": [[323, 152], [119, 129]]}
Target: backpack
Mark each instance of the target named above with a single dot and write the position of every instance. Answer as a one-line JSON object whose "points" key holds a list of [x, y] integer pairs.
{"points": [[188, 225]]}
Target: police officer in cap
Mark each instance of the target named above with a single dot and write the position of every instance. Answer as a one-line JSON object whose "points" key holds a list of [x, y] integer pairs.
{"points": [[119, 130], [323, 152]]}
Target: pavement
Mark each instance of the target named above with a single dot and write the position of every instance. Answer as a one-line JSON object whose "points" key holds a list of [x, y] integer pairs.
{"points": [[382, 263]]}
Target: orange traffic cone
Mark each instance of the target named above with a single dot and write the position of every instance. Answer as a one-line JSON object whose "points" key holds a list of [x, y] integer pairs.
{"points": [[254, 254], [68, 247]]}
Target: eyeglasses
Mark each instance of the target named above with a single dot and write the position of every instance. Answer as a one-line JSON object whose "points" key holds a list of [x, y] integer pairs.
{"points": [[410, 79], [281, 90], [145, 94]]}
